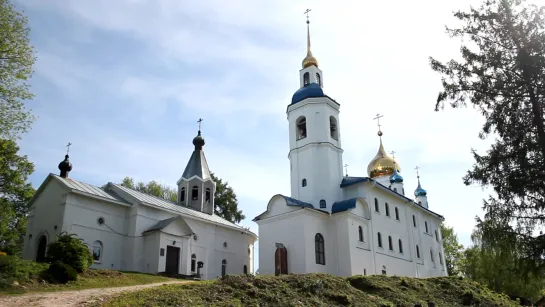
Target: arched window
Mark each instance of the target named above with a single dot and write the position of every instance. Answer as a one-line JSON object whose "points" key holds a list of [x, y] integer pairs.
{"points": [[436, 236], [193, 263], [333, 131], [42, 247], [403, 191], [323, 203], [426, 225], [318, 79], [417, 252], [207, 194], [377, 209], [304, 182], [414, 221], [431, 255], [319, 248], [387, 208], [360, 233], [390, 244], [195, 193], [245, 269], [400, 246], [301, 124], [395, 190], [306, 79], [440, 259], [97, 251], [397, 213], [383, 270], [223, 267], [182, 195], [379, 239]]}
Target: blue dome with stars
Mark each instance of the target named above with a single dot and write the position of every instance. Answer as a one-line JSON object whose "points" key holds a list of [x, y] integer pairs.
{"points": [[419, 191], [396, 177], [311, 90]]}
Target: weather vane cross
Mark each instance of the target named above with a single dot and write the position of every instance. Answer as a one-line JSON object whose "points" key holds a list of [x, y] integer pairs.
{"points": [[306, 13], [68, 147], [346, 169], [199, 121]]}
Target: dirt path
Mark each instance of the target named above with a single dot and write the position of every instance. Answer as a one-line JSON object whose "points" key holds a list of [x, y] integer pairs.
{"points": [[72, 298]]}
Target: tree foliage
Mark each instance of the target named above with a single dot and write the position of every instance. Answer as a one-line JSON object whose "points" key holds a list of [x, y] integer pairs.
{"points": [[16, 60], [71, 251], [501, 264], [225, 199], [153, 188], [454, 251], [15, 193], [502, 74]]}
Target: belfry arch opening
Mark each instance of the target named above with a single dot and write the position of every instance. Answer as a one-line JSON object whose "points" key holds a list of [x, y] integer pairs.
{"points": [[301, 127], [306, 79], [318, 79], [333, 131]]}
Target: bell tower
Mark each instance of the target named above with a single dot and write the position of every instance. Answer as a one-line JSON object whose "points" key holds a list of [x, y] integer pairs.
{"points": [[315, 144]]}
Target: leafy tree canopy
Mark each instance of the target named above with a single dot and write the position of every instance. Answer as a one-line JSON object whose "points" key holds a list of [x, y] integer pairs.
{"points": [[16, 60], [15, 193], [502, 74], [225, 199], [454, 251]]}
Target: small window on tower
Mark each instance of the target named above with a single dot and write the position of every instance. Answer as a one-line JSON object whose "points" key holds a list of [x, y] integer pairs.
{"points": [[333, 132], [318, 79], [207, 194], [195, 193], [322, 203], [182, 195], [304, 183], [306, 79], [301, 128]]}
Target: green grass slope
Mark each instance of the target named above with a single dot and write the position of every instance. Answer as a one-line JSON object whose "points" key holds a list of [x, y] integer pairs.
{"points": [[317, 290]]}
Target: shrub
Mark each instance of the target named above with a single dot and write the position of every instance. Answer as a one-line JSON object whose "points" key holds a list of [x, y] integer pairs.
{"points": [[59, 272], [13, 268], [71, 251]]}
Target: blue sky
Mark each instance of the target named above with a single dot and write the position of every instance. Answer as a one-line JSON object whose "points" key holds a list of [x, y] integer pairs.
{"points": [[125, 81]]}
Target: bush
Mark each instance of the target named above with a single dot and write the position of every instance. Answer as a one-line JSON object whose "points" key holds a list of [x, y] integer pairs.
{"points": [[13, 268], [71, 251], [59, 272]]}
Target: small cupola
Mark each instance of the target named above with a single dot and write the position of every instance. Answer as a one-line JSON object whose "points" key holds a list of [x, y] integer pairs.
{"points": [[420, 194], [65, 166]]}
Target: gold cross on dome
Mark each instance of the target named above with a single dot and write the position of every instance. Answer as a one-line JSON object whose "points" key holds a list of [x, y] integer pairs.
{"points": [[68, 147]]}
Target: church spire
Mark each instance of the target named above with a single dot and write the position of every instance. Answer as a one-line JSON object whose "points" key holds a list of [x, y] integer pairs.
{"points": [[197, 165], [309, 60]]}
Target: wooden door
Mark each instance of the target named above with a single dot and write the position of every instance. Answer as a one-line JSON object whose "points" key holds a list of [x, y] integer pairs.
{"points": [[42, 246], [173, 260], [281, 261]]}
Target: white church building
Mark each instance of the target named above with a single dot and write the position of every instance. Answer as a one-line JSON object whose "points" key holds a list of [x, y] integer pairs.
{"points": [[338, 224], [128, 230]]}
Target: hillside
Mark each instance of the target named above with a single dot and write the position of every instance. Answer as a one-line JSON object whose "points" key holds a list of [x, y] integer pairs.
{"points": [[317, 290]]}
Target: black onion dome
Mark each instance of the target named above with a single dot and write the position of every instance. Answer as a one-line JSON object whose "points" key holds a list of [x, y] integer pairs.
{"points": [[65, 166], [198, 141]]}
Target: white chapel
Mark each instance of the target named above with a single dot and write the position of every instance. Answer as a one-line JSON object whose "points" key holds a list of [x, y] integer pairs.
{"points": [[338, 224], [132, 231]]}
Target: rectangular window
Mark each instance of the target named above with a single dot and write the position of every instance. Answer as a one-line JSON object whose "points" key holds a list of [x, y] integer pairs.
{"points": [[414, 221], [387, 208], [377, 209], [397, 213], [161, 252]]}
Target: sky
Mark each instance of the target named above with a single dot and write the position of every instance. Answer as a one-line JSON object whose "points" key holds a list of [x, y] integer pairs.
{"points": [[125, 82]]}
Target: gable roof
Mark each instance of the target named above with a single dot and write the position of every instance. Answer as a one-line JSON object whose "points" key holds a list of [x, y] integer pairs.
{"points": [[161, 203], [164, 223], [348, 181], [290, 201], [344, 205]]}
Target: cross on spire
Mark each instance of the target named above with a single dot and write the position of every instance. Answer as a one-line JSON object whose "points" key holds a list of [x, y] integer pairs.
{"points": [[378, 124], [199, 121], [306, 13], [417, 174], [346, 169], [393, 154], [68, 147]]}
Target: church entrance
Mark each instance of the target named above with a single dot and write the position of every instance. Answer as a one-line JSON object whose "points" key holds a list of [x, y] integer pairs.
{"points": [[42, 245], [173, 260], [281, 261]]}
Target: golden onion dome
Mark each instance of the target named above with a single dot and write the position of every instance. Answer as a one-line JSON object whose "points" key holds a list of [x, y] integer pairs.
{"points": [[382, 164], [309, 60]]}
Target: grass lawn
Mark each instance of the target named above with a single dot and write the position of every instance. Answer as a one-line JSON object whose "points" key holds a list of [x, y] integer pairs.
{"points": [[88, 280], [317, 290]]}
